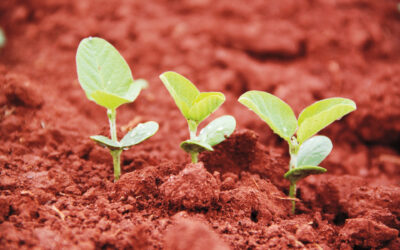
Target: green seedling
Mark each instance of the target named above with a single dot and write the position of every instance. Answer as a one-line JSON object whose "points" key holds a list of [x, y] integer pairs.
{"points": [[306, 151], [195, 107], [2, 38], [107, 80]]}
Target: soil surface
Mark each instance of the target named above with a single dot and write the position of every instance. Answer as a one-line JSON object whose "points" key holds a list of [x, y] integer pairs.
{"points": [[56, 185]]}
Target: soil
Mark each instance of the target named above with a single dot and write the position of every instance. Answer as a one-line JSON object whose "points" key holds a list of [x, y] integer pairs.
{"points": [[56, 185]]}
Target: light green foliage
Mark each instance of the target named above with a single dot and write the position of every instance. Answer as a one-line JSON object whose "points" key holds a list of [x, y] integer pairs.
{"points": [[302, 172], [107, 80], [320, 114], [275, 112], [194, 145], [196, 106], [214, 133], [314, 151], [2, 38], [138, 134], [217, 131], [306, 152], [204, 105], [104, 74], [106, 142]]}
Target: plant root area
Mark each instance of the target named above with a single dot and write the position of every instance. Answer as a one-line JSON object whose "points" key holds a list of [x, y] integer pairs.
{"points": [[56, 185]]}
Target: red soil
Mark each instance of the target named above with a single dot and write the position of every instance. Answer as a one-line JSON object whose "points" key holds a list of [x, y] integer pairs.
{"points": [[56, 186]]}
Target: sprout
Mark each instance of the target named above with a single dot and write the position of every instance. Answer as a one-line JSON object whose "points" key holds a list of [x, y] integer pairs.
{"points": [[196, 106], [306, 152], [107, 80]]}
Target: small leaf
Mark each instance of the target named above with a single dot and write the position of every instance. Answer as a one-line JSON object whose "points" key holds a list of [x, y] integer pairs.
{"points": [[217, 131], [140, 133], [103, 73], [181, 89], [204, 105], [320, 114], [314, 151], [108, 100], [299, 173], [275, 112], [106, 142], [195, 146]]}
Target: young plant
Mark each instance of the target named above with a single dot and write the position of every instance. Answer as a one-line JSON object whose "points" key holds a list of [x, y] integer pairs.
{"points": [[107, 80], [306, 152], [195, 107]]}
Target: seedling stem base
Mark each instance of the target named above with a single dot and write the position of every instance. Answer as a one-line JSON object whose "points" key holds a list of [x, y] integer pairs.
{"points": [[116, 154], [193, 135], [293, 149]]}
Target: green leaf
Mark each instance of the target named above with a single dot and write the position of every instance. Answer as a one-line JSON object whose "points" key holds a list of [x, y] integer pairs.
{"points": [[314, 151], [140, 133], [104, 74], [302, 172], [275, 112], [106, 142], [218, 130], [320, 114], [204, 105], [195, 146], [181, 89]]}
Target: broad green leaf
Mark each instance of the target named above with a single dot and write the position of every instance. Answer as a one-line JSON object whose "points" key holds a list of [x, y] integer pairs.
{"points": [[218, 130], [313, 151], [2, 38], [320, 114], [275, 112], [181, 89], [204, 105], [106, 142], [302, 172], [108, 100], [195, 146], [140, 133], [103, 73]]}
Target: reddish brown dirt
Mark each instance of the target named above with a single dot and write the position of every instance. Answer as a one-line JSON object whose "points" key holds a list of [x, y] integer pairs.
{"points": [[56, 188]]}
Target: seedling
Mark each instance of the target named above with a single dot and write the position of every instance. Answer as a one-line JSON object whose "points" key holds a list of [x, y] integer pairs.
{"points": [[306, 152], [107, 80], [195, 107]]}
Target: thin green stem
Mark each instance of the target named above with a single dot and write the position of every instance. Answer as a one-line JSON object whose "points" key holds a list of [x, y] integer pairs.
{"points": [[192, 129], [292, 194], [193, 134], [112, 114], [116, 154], [194, 156], [293, 151]]}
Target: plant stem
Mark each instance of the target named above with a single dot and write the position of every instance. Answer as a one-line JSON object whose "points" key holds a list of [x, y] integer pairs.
{"points": [[112, 114], [116, 154], [293, 150], [194, 156], [193, 135], [292, 194]]}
